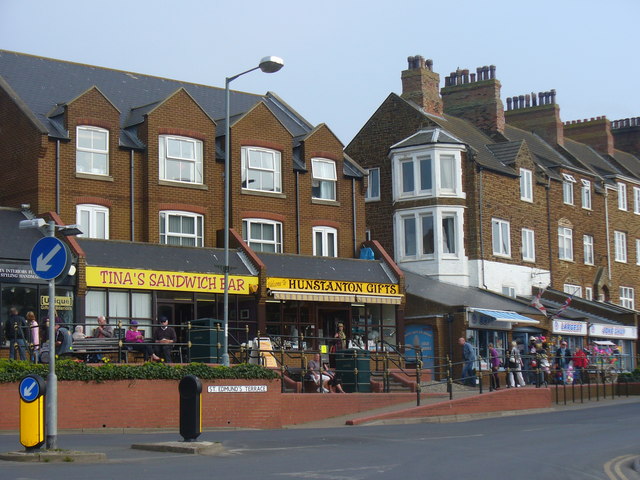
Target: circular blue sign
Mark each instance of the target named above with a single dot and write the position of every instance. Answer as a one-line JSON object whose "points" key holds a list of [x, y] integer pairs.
{"points": [[31, 387], [49, 258]]}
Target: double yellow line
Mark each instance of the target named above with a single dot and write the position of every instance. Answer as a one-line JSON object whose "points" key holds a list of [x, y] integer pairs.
{"points": [[613, 468]]}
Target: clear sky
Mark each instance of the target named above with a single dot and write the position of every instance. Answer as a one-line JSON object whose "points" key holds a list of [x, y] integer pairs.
{"points": [[343, 57]]}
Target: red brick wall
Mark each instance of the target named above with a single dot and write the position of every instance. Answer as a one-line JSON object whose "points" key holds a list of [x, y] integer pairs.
{"points": [[155, 404]]}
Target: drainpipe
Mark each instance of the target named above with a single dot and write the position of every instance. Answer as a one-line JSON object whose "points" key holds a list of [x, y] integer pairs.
{"points": [[481, 205], [355, 218], [58, 176], [298, 210], [131, 196], [606, 219], [549, 231]]}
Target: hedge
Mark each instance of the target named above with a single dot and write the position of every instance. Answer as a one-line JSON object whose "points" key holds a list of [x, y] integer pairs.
{"points": [[15, 370]]}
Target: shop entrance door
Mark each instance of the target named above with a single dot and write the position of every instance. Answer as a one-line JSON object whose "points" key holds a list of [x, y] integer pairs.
{"points": [[179, 314]]}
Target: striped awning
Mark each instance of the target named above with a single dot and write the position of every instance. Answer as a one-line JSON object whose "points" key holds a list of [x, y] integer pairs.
{"points": [[314, 297], [506, 316], [387, 300]]}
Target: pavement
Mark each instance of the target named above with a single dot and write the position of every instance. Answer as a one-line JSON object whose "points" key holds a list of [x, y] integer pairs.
{"points": [[215, 448]]}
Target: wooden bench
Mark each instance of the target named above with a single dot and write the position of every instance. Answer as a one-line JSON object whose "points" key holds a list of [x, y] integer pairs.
{"points": [[84, 348]]}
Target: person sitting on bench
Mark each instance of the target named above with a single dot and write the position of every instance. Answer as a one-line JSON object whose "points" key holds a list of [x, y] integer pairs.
{"points": [[135, 340]]}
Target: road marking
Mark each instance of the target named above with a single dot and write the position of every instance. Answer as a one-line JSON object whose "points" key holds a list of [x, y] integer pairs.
{"points": [[275, 449], [356, 473], [613, 468]]}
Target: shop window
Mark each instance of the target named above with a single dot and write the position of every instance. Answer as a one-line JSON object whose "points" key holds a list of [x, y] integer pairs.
{"points": [[118, 306], [92, 150], [180, 159]]}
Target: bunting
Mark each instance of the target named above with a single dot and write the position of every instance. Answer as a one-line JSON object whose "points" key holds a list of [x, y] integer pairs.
{"points": [[563, 307], [538, 304]]}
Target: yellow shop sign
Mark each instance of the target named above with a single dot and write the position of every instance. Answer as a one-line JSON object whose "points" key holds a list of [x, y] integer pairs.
{"points": [[331, 286], [160, 280]]}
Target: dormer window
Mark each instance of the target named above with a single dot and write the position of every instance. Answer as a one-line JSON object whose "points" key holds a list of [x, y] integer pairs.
{"points": [[92, 150], [324, 179], [567, 188], [180, 159]]}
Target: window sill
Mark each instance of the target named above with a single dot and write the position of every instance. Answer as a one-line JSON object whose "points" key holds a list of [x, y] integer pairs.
{"points": [[94, 176], [258, 193], [569, 260], [502, 255], [195, 186], [320, 201]]}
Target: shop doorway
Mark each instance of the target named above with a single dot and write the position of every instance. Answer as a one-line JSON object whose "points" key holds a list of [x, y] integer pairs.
{"points": [[179, 314], [329, 320]]}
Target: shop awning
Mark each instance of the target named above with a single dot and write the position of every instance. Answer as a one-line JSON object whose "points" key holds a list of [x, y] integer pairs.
{"points": [[387, 300], [313, 297], [505, 316], [603, 342]]}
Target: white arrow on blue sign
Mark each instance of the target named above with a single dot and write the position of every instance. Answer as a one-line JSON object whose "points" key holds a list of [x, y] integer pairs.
{"points": [[29, 389], [49, 258]]}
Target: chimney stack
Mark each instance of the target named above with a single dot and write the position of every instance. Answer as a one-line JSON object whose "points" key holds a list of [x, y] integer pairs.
{"points": [[538, 114], [595, 132], [626, 135], [476, 98], [421, 85]]}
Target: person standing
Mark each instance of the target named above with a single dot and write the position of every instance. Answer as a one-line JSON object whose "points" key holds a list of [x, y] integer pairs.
{"points": [[468, 377], [494, 362], [580, 362], [16, 331], [563, 359], [64, 340], [164, 338], [515, 366]]}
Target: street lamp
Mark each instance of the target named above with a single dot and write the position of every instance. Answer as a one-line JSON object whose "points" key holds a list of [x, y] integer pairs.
{"points": [[52, 380], [267, 65]]}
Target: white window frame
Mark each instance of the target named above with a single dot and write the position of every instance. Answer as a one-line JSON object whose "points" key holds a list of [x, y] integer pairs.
{"points": [[637, 251], [93, 152], [636, 200], [588, 293], [622, 196], [526, 185], [509, 291], [195, 239], [436, 158], [324, 179], [439, 242], [587, 242], [328, 242], [94, 212], [274, 173], [501, 237], [620, 241], [567, 188], [574, 290], [565, 243], [586, 194], [258, 244], [373, 185], [192, 165], [528, 245], [627, 297]]}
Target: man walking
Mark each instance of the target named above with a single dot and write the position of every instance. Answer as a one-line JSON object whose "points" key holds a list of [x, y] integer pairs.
{"points": [[563, 359], [468, 377]]}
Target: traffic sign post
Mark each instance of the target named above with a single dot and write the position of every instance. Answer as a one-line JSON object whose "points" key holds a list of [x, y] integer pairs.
{"points": [[50, 258], [32, 400]]}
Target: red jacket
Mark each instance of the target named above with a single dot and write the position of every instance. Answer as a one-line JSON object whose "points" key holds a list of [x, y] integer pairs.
{"points": [[580, 359]]}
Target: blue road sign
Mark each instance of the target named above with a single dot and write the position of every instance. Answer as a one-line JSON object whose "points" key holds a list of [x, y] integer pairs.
{"points": [[29, 389], [49, 258]]}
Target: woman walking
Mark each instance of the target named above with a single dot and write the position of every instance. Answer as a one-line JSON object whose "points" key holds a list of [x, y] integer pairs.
{"points": [[515, 366]]}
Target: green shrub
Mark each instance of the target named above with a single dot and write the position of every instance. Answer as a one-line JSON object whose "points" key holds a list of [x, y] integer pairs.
{"points": [[15, 370]]}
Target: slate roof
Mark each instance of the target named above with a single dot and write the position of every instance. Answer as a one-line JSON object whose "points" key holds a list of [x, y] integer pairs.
{"points": [[627, 163], [147, 256], [326, 268], [454, 296], [427, 136], [589, 157], [43, 85], [506, 152], [16, 244]]}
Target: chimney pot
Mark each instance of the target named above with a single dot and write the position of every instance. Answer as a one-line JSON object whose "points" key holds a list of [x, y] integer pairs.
{"points": [[430, 64], [509, 101], [527, 99], [492, 69], [473, 78]]}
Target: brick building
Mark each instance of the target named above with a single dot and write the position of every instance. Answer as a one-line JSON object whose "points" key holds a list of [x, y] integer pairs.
{"points": [[138, 162], [467, 194]]}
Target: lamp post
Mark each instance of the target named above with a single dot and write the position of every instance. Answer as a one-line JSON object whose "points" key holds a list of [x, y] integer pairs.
{"points": [[41, 270], [267, 65]]}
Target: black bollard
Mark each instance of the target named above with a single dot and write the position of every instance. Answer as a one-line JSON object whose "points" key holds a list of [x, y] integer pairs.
{"points": [[190, 389]]}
